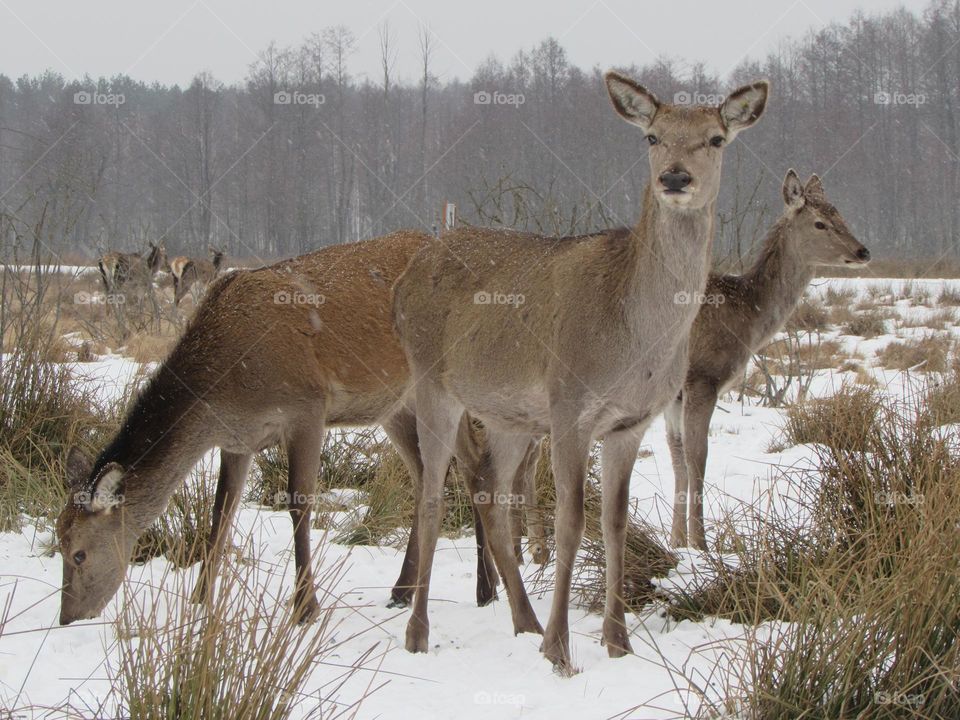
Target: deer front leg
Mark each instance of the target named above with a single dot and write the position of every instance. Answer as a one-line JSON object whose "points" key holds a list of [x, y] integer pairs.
{"points": [[619, 456], [699, 401], [568, 453], [303, 454], [674, 421], [233, 474]]}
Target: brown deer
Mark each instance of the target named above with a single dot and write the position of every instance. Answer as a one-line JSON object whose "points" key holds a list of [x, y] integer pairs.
{"points": [[272, 355], [580, 337], [191, 276], [117, 268], [740, 314]]}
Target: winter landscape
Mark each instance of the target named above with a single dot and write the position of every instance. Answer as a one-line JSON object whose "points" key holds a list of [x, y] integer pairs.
{"points": [[368, 288]]}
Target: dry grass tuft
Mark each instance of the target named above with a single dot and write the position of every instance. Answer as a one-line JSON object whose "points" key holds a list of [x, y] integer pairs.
{"points": [[240, 655], [809, 316], [867, 325], [928, 354]]}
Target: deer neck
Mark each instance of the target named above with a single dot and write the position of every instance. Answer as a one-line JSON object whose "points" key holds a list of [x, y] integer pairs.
{"points": [[672, 254], [777, 280], [161, 439]]}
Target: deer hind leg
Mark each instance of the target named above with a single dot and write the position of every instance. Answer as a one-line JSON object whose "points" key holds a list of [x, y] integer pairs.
{"points": [[494, 500], [699, 401], [674, 420], [568, 456], [526, 486], [402, 431], [438, 419], [619, 456], [304, 449], [234, 468], [470, 456]]}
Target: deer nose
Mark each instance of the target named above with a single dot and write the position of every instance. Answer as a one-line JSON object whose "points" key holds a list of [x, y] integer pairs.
{"points": [[863, 254], [675, 179]]}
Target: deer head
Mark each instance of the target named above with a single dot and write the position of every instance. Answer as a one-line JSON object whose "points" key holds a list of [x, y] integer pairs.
{"points": [[96, 540], [686, 142], [817, 228]]}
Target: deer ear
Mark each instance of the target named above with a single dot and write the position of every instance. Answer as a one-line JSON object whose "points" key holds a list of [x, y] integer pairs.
{"points": [[744, 106], [814, 187], [633, 102], [107, 491], [793, 190], [78, 467]]}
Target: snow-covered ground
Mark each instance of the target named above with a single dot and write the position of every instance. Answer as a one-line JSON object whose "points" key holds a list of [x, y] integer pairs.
{"points": [[476, 667]]}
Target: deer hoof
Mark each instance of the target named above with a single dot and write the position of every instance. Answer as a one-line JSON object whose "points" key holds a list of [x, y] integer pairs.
{"points": [[616, 639], [417, 637]]}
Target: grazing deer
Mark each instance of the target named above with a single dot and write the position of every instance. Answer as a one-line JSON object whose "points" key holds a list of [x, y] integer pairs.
{"points": [[117, 268], [741, 313], [193, 275], [276, 354], [580, 337]]}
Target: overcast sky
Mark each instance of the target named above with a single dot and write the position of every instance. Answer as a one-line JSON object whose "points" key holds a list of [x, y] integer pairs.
{"points": [[170, 41]]}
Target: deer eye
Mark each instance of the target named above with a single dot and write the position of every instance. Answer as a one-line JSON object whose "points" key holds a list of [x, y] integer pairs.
{"points": [[716, 140], [79, 556], [653, 139], [819, 225]]}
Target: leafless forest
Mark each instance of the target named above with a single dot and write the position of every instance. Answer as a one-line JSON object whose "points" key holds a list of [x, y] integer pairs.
{"points": [[304, 154]]}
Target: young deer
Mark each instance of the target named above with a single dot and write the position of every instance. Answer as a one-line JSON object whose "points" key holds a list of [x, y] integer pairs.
{"points": [[193, 275], [580, 337], [271, 355], [741, 314]]}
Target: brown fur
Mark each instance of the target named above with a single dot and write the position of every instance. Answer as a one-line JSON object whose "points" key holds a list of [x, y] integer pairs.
{"points": [[596, 348], [740, 315]]}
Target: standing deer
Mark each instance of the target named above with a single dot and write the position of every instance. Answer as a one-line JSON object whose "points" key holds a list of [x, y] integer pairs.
{"points": [[193, 275], [580, 337], [117, 268], [272, 355], [742, 313]]}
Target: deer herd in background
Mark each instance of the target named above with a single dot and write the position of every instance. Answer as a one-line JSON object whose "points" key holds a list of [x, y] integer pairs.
{"points": [[133, 272], [597, 335]]}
